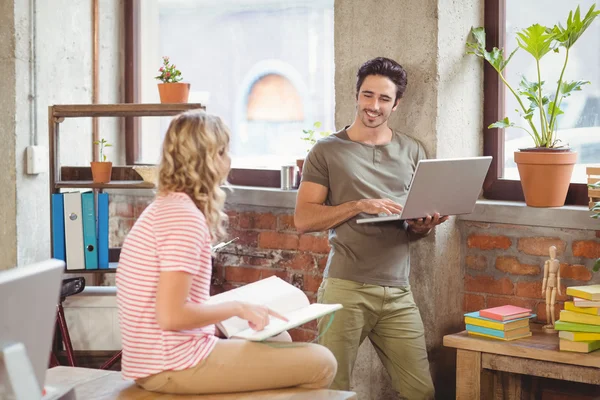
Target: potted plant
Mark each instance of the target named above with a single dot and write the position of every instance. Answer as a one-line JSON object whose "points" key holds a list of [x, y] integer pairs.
{"points": [[171, 90], [546, 168], [101, 170], [311, 136]]}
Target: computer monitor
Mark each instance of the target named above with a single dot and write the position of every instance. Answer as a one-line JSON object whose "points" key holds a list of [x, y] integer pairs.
{"points": [[28, 298]]}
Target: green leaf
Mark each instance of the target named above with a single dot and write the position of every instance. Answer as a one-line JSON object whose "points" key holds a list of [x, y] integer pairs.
{"points": [[567, 37], [596, 267], [505, 123], [553, 109], [107, 145], [567, 87], [476, 46], [535, 40], [530, 90], [317, 124]]}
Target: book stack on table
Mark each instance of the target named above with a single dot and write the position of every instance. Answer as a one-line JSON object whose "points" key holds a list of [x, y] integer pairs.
{"points": [[502, 323], [579, 324]]}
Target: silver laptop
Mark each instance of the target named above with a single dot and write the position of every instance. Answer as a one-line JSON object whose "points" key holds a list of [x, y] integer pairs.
{"points": [[28, 298], [448, 186]]}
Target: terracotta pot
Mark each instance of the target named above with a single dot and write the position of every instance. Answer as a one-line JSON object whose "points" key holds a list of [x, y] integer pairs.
{"points": [[101, 171], [175, 92], [545, 175]]}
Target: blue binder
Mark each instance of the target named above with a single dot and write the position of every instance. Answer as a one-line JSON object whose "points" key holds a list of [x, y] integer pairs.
{"points": [[103, 230], [58, 227], [90, 242]]}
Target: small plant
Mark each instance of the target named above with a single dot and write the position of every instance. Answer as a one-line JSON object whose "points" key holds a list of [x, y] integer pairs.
{"points": [[538, 41], [168, 72], [102, 143], [312, 136]]}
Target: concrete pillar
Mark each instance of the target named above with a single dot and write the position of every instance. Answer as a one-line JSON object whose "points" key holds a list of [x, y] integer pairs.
{"points": [[442, 108]]}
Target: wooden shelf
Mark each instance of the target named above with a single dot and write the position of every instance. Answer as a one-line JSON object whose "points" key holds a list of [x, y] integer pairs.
{"points": [[122, 110], [109, 185]]}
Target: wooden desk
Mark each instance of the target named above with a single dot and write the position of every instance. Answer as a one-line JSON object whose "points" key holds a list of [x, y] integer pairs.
{"points": [[95, 384], [537, 355]]}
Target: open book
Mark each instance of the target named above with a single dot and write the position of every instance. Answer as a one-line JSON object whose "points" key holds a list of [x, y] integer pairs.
{"points": [[277, 295]]}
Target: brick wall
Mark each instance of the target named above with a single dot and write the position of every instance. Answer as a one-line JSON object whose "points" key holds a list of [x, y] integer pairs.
{"points": [[504, 264], [268, 245]]}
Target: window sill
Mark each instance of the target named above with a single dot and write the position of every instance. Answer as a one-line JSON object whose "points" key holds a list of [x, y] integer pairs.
{"points": [[517, 213], [260, 196]]}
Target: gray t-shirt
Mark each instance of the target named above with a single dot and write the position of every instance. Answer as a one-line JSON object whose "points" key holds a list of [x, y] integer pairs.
{"points": [[367, 253]]}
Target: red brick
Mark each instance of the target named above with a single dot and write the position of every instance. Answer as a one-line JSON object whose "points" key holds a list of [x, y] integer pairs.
{"points": [[265, 273], [286, 223], [257, 221], [598, 234], [315, 244], [473, 302], [311, 326], [533, 290], [538, 246], [512, 265], [233, 219], [242, 274], [256, 261], [476, 262], [497, 301], [312, 283], [139, 206], [280, 241], [122, 209], [302, 335], [576, 271], [246, 238], [487, 284], [297, 261], [487, 242], [541, 311], [322, 263], [586, 248]]}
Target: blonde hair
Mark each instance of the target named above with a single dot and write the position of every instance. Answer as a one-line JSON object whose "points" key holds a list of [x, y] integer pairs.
{"points": [[194, 146]]}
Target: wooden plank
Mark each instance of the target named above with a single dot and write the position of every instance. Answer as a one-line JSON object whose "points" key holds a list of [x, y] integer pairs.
{"points": [[109, 185], [593, 171], [79, 173], [121, 110], [539, 368], [539, 346], [468, 375]]}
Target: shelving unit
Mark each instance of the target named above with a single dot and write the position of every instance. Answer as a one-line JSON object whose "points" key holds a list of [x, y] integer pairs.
{"points": [[123, 177]]}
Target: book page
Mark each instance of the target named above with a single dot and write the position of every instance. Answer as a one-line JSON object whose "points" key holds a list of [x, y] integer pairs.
{"points": [[296, 318], [272, 292]]}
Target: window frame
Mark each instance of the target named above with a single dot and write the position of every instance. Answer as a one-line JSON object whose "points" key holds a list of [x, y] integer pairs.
{"points": [[131, 41], [495, 187]]}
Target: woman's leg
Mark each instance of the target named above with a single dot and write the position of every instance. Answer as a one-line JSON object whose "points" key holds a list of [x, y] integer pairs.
{"points": [[239, 366]]}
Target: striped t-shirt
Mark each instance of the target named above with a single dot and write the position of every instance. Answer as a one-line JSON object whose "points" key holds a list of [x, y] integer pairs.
{"points": [[170, 235]]}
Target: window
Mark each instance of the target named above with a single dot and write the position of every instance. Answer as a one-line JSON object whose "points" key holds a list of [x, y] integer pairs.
{"points": [[265, 66], [579, 126]]}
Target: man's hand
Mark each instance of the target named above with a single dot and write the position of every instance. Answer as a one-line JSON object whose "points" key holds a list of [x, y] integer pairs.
{"points": [[422, 226], [379, 206]]}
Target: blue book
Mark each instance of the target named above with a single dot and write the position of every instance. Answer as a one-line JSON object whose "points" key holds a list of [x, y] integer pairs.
{"points": [[498, 334], [103, 230], [58, 227], [90, 242]]}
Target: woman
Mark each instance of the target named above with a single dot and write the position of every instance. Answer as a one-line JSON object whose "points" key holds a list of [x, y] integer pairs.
{"points": [[163, 279]]}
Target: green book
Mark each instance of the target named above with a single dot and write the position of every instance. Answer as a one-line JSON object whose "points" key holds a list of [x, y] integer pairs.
{"points": [[575, 327]]}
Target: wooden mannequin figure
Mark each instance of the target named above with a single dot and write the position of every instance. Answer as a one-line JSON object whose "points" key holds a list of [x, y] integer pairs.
{"points": [[550, 285]]}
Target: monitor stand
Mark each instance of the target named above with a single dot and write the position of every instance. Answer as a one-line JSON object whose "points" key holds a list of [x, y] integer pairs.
{"points": [[17, 373]]}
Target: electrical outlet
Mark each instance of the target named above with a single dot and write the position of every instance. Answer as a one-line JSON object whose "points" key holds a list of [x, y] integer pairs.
{"points": [[37, 160]]}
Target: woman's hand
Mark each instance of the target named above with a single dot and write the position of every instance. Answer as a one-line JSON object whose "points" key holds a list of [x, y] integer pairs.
{"points": [[257, 315], [422, 226]]}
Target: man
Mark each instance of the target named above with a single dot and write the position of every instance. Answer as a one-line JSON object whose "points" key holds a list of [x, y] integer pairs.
{"points": [[366, 169]]}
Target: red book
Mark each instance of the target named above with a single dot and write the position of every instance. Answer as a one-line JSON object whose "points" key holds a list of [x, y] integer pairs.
{"points": [[505, 313]]}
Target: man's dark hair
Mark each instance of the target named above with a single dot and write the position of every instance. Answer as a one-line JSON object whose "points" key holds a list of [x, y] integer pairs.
{"points": [[384, 67]]}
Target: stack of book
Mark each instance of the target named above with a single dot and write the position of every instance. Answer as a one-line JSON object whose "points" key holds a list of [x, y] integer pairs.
{"points": [[503, 323], [579, 324]]}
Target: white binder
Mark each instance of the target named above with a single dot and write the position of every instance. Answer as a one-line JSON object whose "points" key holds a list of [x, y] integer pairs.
{"points": [[74, 231]]}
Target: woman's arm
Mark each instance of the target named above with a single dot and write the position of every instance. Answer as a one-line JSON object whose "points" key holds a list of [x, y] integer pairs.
{"points": [[175, 313]]}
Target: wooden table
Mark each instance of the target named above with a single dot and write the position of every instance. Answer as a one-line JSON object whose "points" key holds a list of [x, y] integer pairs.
{"points": [[95, 384], [538, 355]]}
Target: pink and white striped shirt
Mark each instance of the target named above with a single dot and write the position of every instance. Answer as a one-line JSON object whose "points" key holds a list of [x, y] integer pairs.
{"points": [[170, 235]]}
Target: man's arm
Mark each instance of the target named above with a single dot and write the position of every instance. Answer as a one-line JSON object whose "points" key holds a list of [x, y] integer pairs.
{"points": [[312, 215]]}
